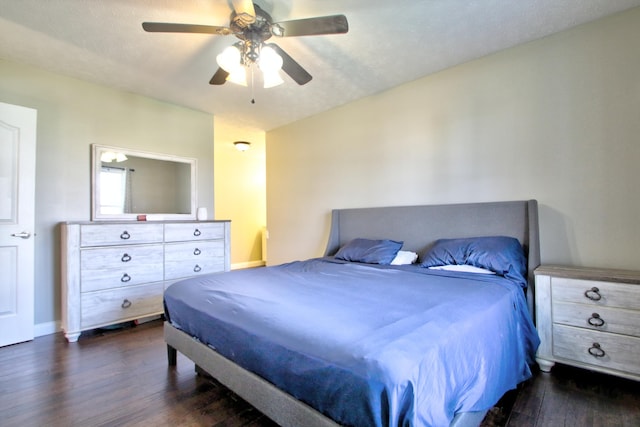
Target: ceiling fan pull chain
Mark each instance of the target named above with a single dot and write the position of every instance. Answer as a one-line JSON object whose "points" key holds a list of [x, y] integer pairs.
{"points": [[253, 98]]}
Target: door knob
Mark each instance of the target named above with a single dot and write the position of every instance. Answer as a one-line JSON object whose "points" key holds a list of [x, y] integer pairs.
{"points": [[22, 234]]}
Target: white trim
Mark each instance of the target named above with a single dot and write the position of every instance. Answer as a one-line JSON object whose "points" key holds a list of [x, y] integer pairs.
{"points": [[249, 264]]}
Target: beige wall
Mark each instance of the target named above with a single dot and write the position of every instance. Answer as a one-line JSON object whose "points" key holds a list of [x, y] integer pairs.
{"points": [[72, 115], [240, 190], [557, 120]]}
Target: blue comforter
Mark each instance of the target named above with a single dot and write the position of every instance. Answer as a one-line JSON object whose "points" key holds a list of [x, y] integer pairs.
{"points": [[366, 346]]}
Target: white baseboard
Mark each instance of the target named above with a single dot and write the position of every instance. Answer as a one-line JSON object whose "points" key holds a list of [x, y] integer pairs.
{"points": [[47, 328], [250, 264]]}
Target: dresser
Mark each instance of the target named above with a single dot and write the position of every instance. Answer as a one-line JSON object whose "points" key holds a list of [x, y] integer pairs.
{"points": [[114, 272], [589, 318]]}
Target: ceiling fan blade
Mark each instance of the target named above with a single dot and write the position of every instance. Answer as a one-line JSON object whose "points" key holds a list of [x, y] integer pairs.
{"points": [[166, 27], [334, 24], [219, 78], [291, 67], [245, 12]]}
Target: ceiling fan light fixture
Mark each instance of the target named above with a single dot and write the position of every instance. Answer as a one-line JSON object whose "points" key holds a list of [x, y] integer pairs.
{"points": [[269, 60], [230, 59], [271, 79], [253, 26], [238, 76], [270, 64]]}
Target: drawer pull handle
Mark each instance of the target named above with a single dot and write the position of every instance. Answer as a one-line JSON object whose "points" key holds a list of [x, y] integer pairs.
{"points": [[593, 294], [125, 235], [596, 320], [197, 232], [197, 268], [125, 278], [125, 258], [126, 303], [197, 252], [596, 351]]}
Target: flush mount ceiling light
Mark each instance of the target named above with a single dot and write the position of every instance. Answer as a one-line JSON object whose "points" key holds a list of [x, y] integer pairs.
{"points": [[253, 26], [242, 145], [111, 156]]}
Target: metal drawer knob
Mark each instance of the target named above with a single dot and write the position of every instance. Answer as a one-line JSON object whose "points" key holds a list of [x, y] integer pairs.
{"points": [[125, 235], [593, 294], [197, 232], [197, 268], [595, 320], [126, 303], [596, 351], [197, 252], [125, 278], [125, 258]]}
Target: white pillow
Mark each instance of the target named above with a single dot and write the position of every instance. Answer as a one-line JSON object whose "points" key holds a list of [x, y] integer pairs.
{"points": [[464, 268], [404, 257]]}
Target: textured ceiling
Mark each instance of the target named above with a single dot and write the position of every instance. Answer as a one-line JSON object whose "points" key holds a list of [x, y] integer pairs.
{"points": [[388, 43]]}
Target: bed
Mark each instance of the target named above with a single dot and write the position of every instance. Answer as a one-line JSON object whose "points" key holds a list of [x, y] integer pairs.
{"points": [[348, 339]]}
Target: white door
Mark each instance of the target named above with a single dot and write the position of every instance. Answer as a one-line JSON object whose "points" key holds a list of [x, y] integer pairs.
{"points": [[17, 194]]}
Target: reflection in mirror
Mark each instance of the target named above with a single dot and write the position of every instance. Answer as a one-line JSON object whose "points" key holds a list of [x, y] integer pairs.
{"points": [[130, 183]]}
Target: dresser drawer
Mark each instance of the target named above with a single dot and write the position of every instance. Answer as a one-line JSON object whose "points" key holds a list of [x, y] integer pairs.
{"points": [[118, 305], [194, 251], [605, 319], [192, 258], [619, 352], [193, 231], [608, 294], [177, 270], [112, 267], [118, 234]]}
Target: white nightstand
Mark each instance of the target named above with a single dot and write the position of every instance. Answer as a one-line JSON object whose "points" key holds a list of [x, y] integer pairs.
{"points": [[589, 318]]}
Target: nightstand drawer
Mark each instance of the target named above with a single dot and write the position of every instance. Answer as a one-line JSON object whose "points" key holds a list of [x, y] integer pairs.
{"points": [[194, 231], [119, 234], [596, 293], [113, 267], [604, 319], [600, 349], [112, 306]]}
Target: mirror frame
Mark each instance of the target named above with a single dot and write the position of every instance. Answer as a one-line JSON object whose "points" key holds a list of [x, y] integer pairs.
{"points": [[96, 164]]}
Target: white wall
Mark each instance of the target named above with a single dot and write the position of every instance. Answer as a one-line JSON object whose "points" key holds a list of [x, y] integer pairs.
{"points": [[72, 115], [557, 120], [240, 190]]}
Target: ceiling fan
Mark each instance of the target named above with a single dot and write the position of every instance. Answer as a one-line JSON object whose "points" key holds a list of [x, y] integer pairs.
{"points": [[253, 26]]}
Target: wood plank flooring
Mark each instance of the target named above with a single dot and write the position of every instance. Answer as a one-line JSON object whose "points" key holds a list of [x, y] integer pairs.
{"points": [[121, 378]]}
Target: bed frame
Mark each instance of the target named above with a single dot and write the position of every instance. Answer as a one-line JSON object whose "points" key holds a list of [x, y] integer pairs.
{"points": [[418, 227]]}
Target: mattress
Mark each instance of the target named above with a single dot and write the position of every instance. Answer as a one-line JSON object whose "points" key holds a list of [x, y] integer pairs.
{"points": [[366, 345]]}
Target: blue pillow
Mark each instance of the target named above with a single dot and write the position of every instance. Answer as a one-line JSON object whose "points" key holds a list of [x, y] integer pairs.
{"points": [[370, 251], [500, 254]]}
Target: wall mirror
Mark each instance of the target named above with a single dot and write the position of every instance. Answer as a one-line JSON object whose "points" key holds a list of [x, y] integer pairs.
{"points": [[127, 183]]}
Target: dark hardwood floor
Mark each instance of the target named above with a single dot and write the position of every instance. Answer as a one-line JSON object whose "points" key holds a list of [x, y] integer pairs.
{"points": [[120, 377]]}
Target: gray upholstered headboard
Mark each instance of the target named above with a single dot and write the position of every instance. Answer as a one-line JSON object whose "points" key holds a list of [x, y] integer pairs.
{"points": [[420, 226]]}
